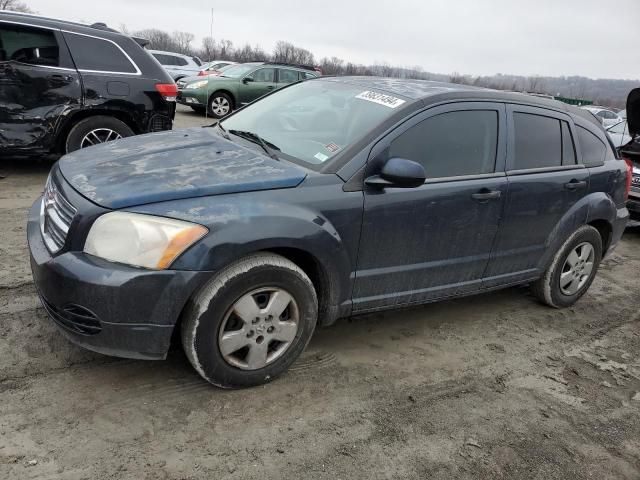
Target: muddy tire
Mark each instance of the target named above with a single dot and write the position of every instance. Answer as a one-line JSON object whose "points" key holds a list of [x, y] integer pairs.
{"points": [[572, 269], [248, 324], [95, 130]]}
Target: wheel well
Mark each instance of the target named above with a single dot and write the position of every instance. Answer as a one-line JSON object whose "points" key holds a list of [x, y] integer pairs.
{"points": [[78, 117], [604, 228], [226, 92], [316, 273]]}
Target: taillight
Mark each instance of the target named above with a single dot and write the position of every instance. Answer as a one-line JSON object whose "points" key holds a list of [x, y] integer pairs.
{"points": [[201, 73], [627, 186], [169, 91]]}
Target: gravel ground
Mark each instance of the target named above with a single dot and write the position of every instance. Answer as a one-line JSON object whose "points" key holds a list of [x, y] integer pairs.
{"points": [[495, 386]]}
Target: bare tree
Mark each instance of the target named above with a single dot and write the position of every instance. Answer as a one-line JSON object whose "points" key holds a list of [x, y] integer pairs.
{"points": [[182, 42], [288, 53], [15, 5], [158, 39]]}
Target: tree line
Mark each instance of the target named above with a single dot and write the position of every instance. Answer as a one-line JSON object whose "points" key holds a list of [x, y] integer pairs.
{"points": [[606, 92]]}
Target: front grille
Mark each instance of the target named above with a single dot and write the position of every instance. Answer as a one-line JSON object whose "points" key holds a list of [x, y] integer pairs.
{"points": [[56, 215], [159, 123], [74, 318]]}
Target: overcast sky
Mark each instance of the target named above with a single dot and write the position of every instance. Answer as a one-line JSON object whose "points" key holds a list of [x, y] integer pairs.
{"points": [[593, 38]]}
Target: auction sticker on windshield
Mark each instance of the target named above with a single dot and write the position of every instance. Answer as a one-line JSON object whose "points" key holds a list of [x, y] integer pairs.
{"points": [[380, 98]]}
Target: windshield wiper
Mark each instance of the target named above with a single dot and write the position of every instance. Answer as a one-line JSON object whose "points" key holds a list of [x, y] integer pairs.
{"points": [[255, 138]]}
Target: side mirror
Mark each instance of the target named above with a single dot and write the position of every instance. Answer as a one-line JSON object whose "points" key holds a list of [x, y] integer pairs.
{"points": [[399, 172], [246, 80]]}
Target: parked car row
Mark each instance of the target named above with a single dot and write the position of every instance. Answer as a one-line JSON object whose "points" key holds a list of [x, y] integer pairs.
{"points": [[238, 85]]}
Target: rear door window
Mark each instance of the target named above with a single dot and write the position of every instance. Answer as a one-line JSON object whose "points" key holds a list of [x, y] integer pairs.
{"points": [[28, 45], [97, 54], [451, 144], [287, 76], [537, 141], [592, 148]]}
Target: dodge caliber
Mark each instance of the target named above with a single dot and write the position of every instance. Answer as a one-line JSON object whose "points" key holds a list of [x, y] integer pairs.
{"points": [[328, 198]]}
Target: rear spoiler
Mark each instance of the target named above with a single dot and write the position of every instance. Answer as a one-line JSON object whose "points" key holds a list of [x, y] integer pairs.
{"points": [[143, 42]]}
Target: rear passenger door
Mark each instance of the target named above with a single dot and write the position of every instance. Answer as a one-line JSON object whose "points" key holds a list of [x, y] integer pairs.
{"points": [[285, 77], [545, 181], [434, 240]]}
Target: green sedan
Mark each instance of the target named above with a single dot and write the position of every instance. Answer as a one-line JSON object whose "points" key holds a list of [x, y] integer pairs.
{"points": [[238, 85]]}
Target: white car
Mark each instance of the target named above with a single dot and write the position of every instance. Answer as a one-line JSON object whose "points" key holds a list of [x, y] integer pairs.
{"points": [[176, 64], [214, 67], [607, 117], [619, 133]]}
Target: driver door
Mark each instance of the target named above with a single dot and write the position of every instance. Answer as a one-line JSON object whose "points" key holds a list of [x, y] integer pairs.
{"points": [[434, 240], [257, 83]]}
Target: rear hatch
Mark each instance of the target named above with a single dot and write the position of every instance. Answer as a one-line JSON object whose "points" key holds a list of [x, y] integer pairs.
{"points": [[632, 149]]}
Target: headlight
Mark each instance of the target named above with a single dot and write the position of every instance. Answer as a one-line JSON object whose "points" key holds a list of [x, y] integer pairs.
{"points": [[200, 84], [141, 240]]}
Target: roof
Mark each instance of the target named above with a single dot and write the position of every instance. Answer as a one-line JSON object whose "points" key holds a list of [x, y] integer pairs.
{"points": [[54, 23], [430, 91]]}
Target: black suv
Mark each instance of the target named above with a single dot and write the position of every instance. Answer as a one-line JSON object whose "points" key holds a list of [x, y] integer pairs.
{"points": [[65, 86]]}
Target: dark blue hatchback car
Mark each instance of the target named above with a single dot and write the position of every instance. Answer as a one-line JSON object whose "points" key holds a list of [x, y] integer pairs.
{"points": [[328, 198]]}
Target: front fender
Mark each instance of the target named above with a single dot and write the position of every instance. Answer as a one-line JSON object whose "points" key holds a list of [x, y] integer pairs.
{"points": [[242, 224]]}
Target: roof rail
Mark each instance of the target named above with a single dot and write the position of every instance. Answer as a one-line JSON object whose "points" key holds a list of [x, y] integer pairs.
{"points": [[296, 65]]}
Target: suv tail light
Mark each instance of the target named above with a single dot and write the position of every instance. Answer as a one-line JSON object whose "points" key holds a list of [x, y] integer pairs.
{"points": [[169, 91], [201, 73], [627, 188]]}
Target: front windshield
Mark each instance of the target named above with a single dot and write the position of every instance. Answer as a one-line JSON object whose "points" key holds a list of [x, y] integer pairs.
{"points": [[238, 71], [314, 120]]}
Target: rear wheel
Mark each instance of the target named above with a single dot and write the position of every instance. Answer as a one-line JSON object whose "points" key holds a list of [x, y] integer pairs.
{"points": [[572, 270], [96, 130], [220, 105], [250, 322]]}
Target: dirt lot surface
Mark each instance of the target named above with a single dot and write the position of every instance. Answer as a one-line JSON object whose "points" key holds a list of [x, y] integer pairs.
{"points": [[492, 386]]}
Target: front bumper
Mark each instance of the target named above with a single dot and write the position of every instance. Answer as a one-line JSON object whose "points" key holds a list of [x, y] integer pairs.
{"points": [[190, 98], [106, 307]]}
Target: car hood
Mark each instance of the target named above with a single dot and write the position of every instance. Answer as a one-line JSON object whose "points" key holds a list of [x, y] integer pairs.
{"points": [[172, 165], [633, 111]]}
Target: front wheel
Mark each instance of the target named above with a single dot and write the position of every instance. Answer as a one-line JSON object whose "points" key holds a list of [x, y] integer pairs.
{"points": [[250, 322], [572, 270], [220, 105]]}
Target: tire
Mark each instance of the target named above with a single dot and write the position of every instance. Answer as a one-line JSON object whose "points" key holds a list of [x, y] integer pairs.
{"points": [[550, 290], [211, 319], [95, 129], [217, 103]]}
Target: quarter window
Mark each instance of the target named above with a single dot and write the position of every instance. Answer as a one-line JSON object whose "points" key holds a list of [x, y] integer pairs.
{"points": [[90, 53], [451, 144], [592, 148], [538, 141], [28, 45]]}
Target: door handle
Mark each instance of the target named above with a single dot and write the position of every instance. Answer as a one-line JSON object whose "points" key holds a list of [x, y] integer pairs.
{"points": [[575, 185], [486, 194]]}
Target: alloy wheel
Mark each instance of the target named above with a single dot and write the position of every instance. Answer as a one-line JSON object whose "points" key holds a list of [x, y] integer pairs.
{"points": [[99, 135], [259, 328], [220, 106], [577, 268]]}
